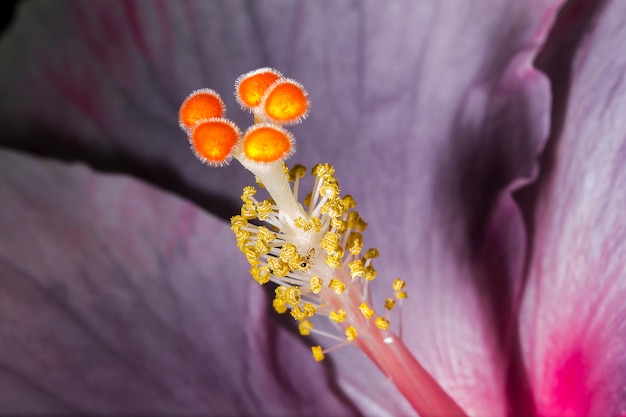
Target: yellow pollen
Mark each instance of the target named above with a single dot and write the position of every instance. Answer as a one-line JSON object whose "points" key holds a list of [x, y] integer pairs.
{"points": [[317, 353], [323, 170], [296, 172], [369, 273], [260, 274], [293, 295], [330, 241], [279, 306], [338, 316], [298, 314], [351, 333], [337, 286], [357, 268], [366, 310], [316, 284], [334, 259], [382, 323], [305, 327], [390, 303], [286, 101], [402, 295], [264, 209], [355, 243], [267, 143], [348, 201], [248, 211], [309, 309], [371, 253], [248, 192], [398, 284]]}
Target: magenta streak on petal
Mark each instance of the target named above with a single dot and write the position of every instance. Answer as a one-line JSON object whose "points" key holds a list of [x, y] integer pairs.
{"points": [[569, 386]]}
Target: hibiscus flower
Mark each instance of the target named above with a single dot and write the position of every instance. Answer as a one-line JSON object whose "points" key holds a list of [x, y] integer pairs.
{"points": [[490, 186]]}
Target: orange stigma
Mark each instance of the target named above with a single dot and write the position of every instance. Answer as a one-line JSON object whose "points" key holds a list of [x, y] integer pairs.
{"points": [[267, 143], [286, 102], [251, 86], [213, 140], [200, 105]]}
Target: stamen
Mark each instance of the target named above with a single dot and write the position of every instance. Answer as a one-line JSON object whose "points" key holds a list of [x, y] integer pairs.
{"points": [[312, 250]]}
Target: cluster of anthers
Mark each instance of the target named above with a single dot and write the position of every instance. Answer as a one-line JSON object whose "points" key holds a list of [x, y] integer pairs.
{"points": [[312, 250]]}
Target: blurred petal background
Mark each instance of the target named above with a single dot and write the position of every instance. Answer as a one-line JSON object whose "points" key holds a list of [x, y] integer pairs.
{"points": [[122, 289]]}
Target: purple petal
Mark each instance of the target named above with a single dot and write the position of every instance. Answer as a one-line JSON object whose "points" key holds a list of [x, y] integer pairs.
{"points": [[431, 113], [574, 312], [118, 299]]}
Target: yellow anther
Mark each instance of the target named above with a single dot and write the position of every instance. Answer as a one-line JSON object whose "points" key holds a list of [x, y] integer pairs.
{"points": [[260, 274], [248, 192], [307, 199], [355, 222], [371, 253], [309, 309], [398, 284], [248, 211], [340, 225], [338, 316], [330, 188], [289, 255], [330, 241], [333, 207], [390, 303], [306, 224], [357, 268], [351, 333], [251, 255], [293, 295], [305, 327], [261, 247], [402, 295], [296, 172], [323, 170], [237, 223], [278, 267], [264, 209], [316, 224], [369, 273], [382, 323], [366, 310], [298, 314], [242, 237], [264, 234], [348, 202], [355, 243], [334, 259], [279, 306], [316, 284], [337, 286], [317, 353]]}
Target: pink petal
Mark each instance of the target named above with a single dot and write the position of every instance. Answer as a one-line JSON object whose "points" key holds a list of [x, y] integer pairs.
{"points": [[574, 312], [118, 299]]}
